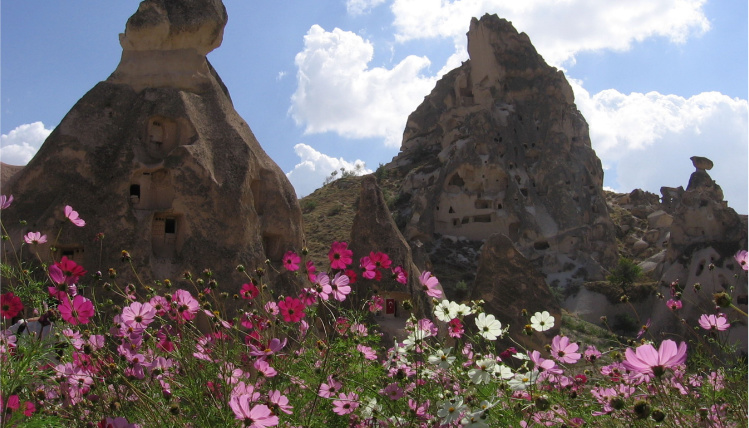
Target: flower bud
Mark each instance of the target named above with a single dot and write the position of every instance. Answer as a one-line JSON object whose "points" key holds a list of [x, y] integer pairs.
{"points": [[240, 268], [722, 299], [642, 409], [658, 415]]}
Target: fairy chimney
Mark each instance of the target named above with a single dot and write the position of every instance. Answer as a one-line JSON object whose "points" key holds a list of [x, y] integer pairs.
{"points": [[500, 147], [157, 160]]}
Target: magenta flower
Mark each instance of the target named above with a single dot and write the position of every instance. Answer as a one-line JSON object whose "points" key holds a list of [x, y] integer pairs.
{"points": [[77, 310], [311, 271], [381, 260], [339, 286], [370, 268], [264, 368], [712, 322], [674, 305], [249, 291], [346, 403], [563, 350], [185, 305], [33, 238], [400, 275], [73, 216], [10, 305], [455, 328], [340, 256], [742, 257], [138, 315], [5, 201], [591, 353], [367, 352], [259, 416], [647, 362], [292, 309], [430, 284], [66, 272], [291, 261]]}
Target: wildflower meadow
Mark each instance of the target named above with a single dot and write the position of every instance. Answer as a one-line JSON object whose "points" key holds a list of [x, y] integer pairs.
{"points": [[82, 349]]}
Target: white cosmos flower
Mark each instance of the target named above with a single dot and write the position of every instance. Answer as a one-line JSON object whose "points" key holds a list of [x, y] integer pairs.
{"points": [[542, 321], [451, 410], [522, 380], [482, 373], [441, 358], [460, 309], [504, 372], [443, 311], [488, 326]]}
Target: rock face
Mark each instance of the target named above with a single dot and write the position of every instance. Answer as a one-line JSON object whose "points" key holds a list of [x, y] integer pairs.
{"points": [[158, 160], [500, 147], [705, 235], [508, 283], [375, 230]]}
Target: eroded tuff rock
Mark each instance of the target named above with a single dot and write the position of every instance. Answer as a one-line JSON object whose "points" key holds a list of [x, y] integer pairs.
{"points": [[157, 159], [500, 147], [508, 283], [375, 230], [705, 235]]}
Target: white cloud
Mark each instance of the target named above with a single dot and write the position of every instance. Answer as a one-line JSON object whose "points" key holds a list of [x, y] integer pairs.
{"points": [[280, 75], [359, 7], [309, 174], [646, 140], [21, 144], [559, 29], [338, 92]]}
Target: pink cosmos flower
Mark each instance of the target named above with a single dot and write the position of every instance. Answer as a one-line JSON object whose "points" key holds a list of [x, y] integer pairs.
{"points": [[430, 284], [249, 291], [264, 368], [367, 352], [400, 275], [742, 257], [160, 305], [291, 261], [340, 286], [73, 216], [376, 304], [138, 315], [273, 346], [648, 362], [381, 260], [34, 238], [292, 309], [393, 391], [185, 305], [346, 403], [322, 286], [77, 310], [277, 402], [563, 350], [369, 267], [10, 305], [329, 389], [543, 364], [712, 322], [311, 271], [674, 305], [272, 308], [340, 256], [592, 353], [5, 201], [259, 416], [351, 276]]}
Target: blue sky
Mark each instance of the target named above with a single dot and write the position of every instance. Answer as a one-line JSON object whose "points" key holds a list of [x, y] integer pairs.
{"points": [[328, 84]]}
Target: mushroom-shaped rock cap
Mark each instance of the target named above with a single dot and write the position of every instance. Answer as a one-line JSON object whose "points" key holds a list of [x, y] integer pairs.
{"points": [[701, 163], [174, 25]]}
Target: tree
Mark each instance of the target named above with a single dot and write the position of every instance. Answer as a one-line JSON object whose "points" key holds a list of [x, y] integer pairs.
{"points": [[624, 274]]}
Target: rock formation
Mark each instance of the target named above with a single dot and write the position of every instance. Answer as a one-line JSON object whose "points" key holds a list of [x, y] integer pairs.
{"points": [[500, 147], [157, 159], [375, 230], [704, 237], [508, 283]]}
